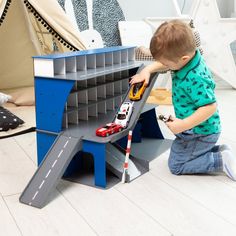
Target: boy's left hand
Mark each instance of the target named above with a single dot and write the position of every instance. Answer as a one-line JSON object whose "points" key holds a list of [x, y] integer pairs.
{"points": [[176, 125]]}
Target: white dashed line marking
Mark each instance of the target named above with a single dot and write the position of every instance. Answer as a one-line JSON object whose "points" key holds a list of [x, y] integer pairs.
{"points": [[35, 195], [60, 153], [54, 163], [48, 174], [41, 184], [66, 143]]}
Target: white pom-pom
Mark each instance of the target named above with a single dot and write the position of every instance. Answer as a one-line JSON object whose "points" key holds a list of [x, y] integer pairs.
{"points": [[4, 98]]}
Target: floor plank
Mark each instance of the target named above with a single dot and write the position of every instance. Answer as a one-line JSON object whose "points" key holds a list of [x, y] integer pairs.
{"points": [[16, 168], [28, 143], [177, 212], [157, 203], [109, 212], [206, 190], [8, 226], [58, 218]]}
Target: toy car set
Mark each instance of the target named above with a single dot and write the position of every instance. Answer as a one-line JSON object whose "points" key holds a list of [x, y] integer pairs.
{"points": [[136, 91], [124, 113], [108, 129]]}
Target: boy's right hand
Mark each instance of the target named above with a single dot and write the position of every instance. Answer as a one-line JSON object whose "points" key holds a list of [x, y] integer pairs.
{"points": [[146, 72], [142, 76]]}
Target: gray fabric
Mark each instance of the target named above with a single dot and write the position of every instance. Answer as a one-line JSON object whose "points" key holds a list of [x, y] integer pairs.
{"points": [[62, 3], [106, 15]]}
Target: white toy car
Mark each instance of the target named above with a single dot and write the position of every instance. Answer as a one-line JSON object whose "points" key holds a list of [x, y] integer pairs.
{"points": [[124, 113]]}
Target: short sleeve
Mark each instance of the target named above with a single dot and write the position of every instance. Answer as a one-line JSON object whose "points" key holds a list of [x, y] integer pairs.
{"points": [[201, 91]]}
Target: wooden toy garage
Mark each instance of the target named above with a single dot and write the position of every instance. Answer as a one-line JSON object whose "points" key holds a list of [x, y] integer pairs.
{"points": [[77, 92]]}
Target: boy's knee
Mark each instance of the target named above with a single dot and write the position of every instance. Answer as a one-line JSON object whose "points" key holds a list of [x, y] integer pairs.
{"points": [[174, 168]]}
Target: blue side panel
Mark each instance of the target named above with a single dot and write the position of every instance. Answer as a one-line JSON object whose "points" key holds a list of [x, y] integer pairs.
{"points": [[98, 150], [44, 142], [51, 96], [150, 127], [75, 165]]}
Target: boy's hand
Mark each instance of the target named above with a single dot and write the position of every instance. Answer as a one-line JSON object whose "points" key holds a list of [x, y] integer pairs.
{"points": [[145, 73], [142, 76], [176, 125]]}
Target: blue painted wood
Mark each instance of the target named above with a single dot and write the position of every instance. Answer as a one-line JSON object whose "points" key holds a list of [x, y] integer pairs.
{"points": [[98, 150], [51, 96], [75, 165], [44, 142], [84, 52], [147, 126], [150, 126]]}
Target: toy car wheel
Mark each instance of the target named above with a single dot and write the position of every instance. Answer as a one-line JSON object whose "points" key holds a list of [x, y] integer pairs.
{"points": [[119, 129], [107, 134]]}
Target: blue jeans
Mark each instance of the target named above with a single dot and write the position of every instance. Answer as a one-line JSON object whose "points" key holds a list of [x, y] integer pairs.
{"points": [[194, 153]]}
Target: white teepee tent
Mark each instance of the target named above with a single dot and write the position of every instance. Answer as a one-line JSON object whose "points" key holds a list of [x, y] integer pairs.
{"points": [[29, 28]]}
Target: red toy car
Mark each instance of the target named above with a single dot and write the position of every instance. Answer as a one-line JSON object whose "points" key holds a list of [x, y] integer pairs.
{"points": [[108, 129]]}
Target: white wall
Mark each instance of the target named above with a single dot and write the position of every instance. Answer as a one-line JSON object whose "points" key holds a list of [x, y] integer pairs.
{"points": [[138, 10], [226, 7], [185, 5]]}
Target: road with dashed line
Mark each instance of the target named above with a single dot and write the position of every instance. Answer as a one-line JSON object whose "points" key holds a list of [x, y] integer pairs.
{"points": [[50, 171]]}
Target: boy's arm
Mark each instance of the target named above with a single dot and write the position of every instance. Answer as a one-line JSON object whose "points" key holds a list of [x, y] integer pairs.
{"points": [[145, 73], [199, 116]]}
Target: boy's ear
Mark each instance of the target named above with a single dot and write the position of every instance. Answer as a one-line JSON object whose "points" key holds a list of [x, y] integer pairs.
{"points": [[184, 58]]}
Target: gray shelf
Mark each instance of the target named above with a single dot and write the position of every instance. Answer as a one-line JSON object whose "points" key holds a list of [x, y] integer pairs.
{"points": [[85, 64], [87, 128], [101, 84]]}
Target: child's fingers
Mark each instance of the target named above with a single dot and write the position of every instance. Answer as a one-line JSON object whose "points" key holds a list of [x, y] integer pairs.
{"points": [[146, 82], [135, 80], [131, 81]]}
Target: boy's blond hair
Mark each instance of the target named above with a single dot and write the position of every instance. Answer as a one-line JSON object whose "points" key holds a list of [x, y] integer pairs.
{"points": [[172, 40]]}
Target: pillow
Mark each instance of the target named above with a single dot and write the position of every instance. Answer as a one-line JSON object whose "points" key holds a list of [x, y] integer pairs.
{"points": [[197, 37], [143, 54], [23, 96], [4, 98], [8, 120]]}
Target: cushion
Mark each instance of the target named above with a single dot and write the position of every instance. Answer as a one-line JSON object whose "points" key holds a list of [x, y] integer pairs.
{"points": [[143, 54], [22, 96], [8, 120]]}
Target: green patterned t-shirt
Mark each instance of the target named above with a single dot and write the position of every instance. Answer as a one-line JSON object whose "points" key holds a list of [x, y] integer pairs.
{"points": [[193, 87]]}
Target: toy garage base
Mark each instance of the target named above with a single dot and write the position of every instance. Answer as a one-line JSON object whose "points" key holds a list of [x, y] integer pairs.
{"points": [[82, 91]]}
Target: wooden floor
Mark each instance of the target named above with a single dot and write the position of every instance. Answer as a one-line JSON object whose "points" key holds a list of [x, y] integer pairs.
{"points": [[156, 204]]}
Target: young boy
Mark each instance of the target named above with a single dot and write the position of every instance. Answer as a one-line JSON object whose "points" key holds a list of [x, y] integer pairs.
{"points": [[197, 123]]}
